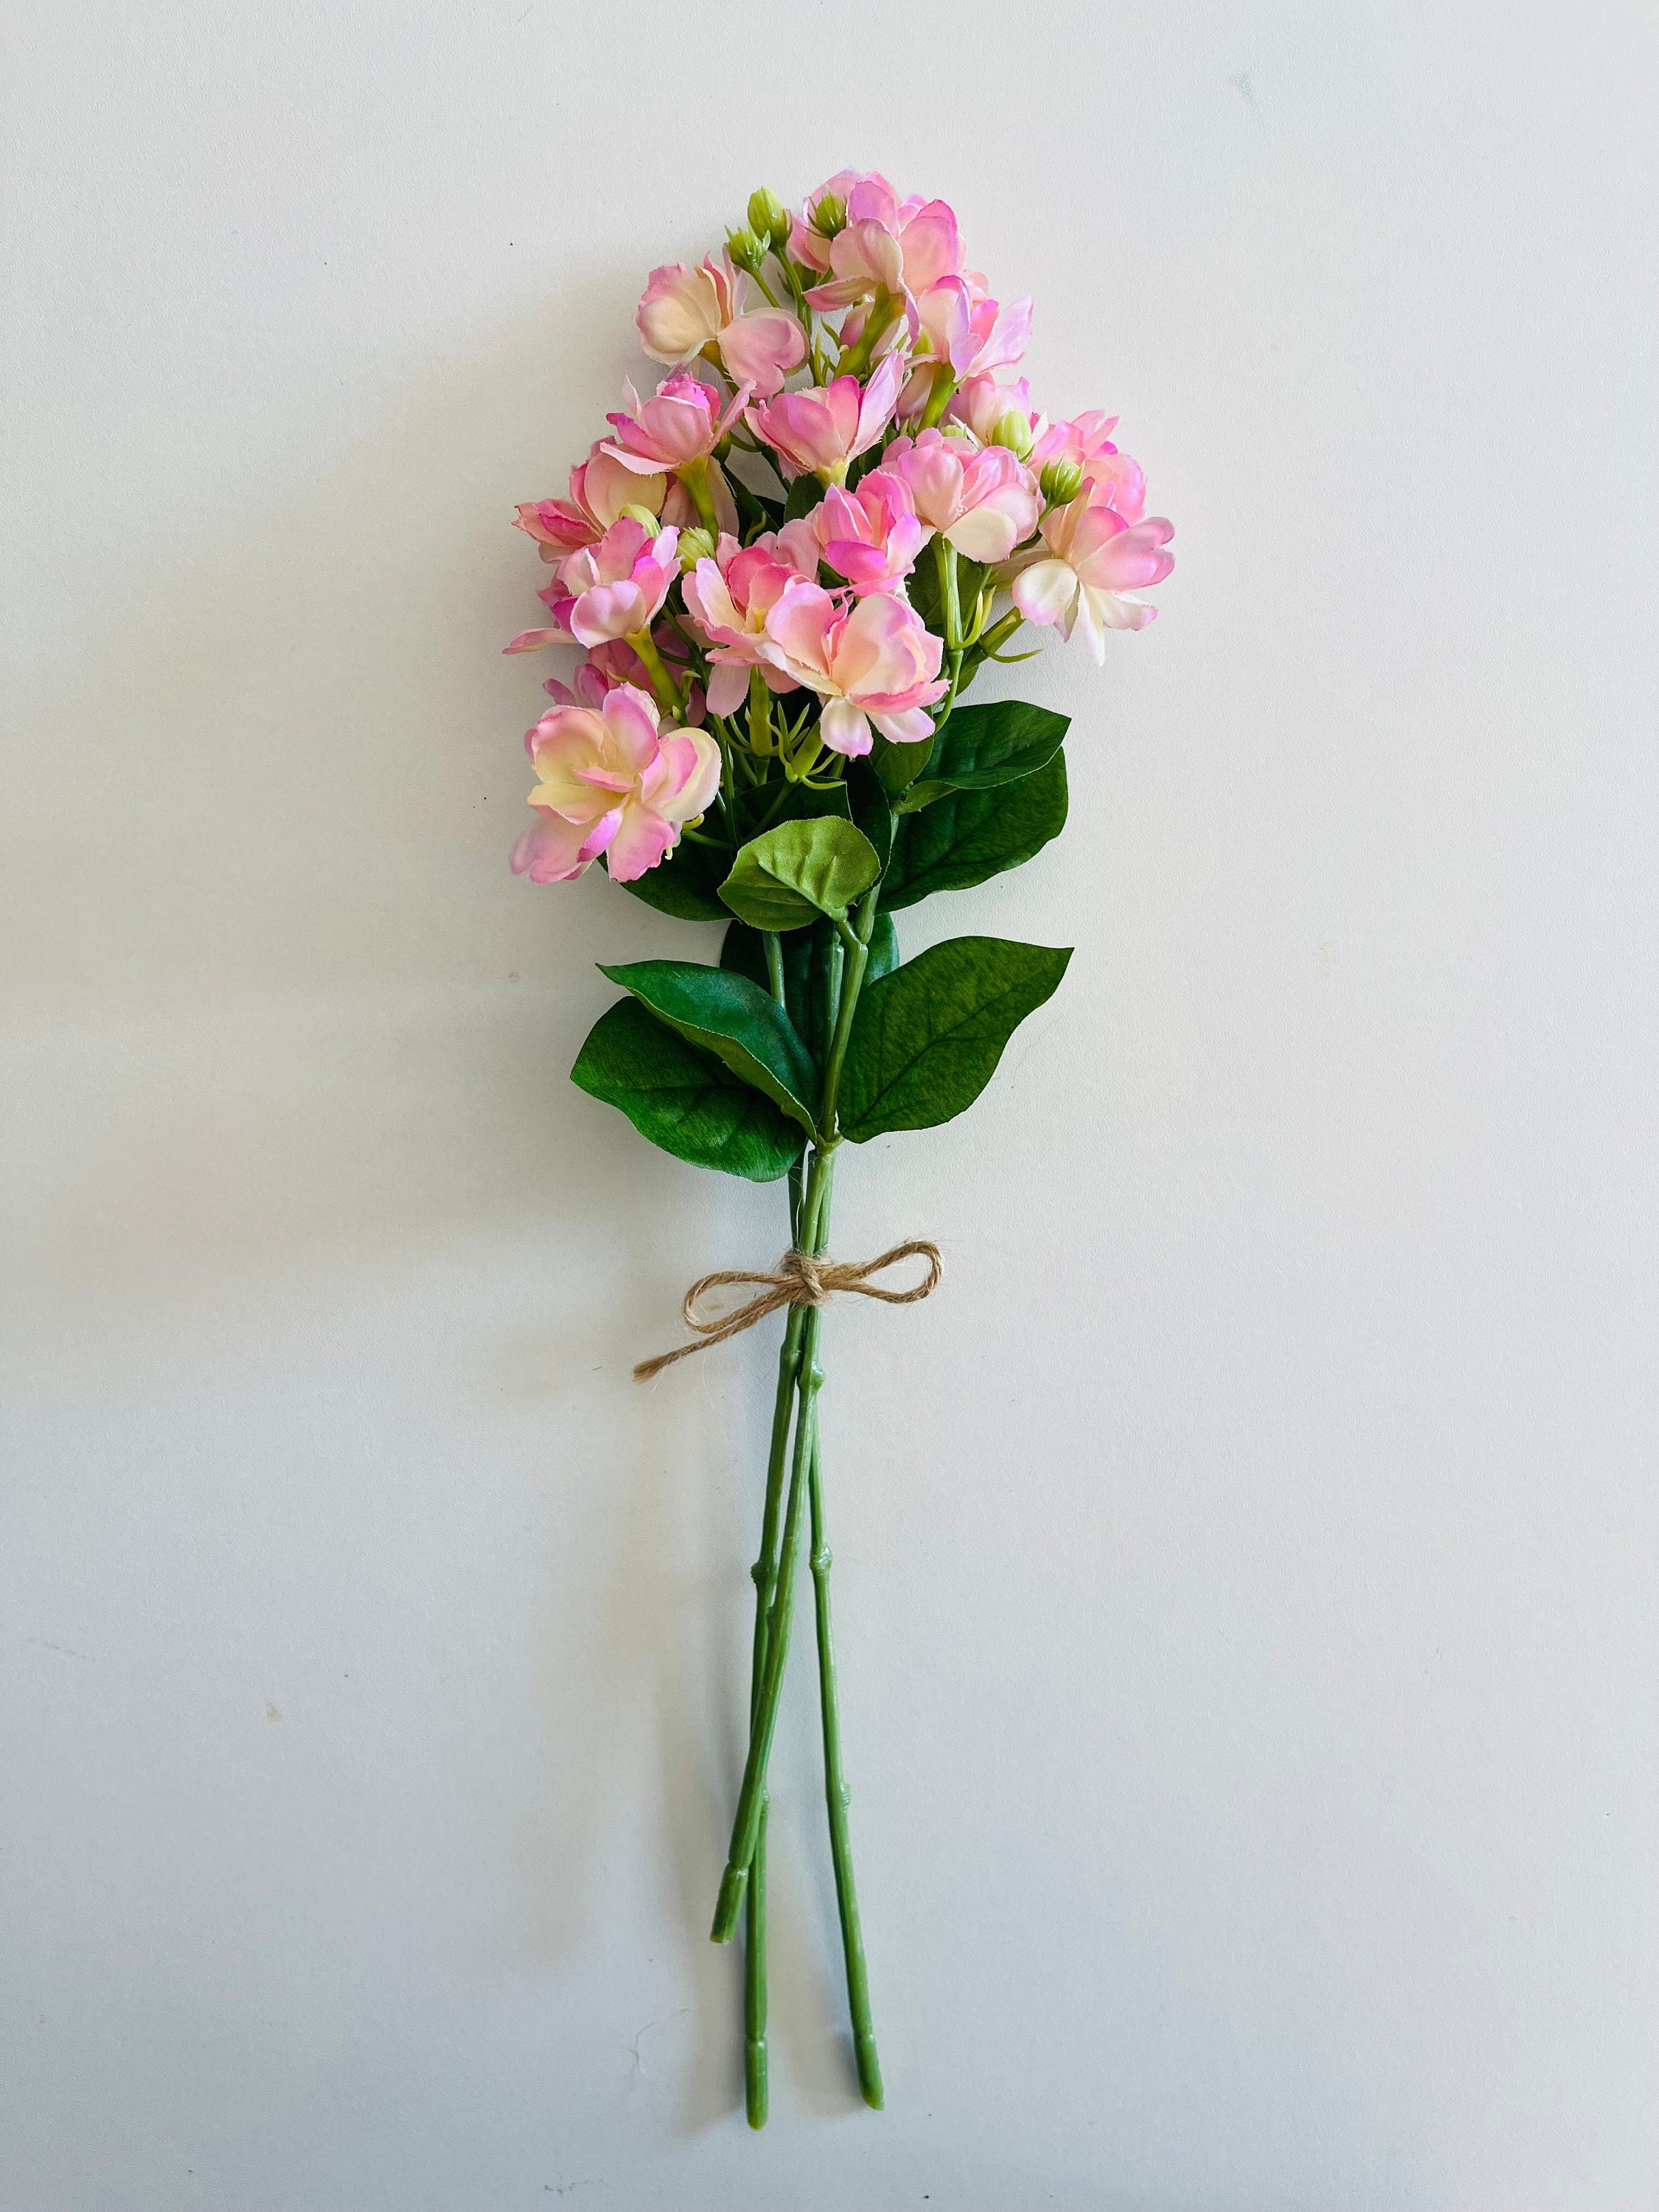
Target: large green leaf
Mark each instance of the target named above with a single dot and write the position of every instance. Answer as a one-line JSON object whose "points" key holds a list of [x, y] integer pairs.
{"points": [[926, 1039], [686, 883], [793, 873], [743, 951], [727, 1015], [967, 835], [684, 1101], [980, 747]]}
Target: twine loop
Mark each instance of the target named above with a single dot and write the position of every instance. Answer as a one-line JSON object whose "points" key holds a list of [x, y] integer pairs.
{"points": [[803, 1278]]}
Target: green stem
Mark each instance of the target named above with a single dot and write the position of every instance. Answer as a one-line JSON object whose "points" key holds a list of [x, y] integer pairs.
{"points": [[839, 1797], [765, 1573], [857, 956], [751, 1799], [756, 2093], [666, 691], [695, 476], [939, 398]]}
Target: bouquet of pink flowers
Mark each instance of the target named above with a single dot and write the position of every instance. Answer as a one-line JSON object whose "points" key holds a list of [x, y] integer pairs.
{"points": [[784, 568]]}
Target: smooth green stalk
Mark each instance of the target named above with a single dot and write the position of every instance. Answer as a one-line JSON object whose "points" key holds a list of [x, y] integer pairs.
{"points": [[666, 691], [765, 1571], [838, 1797], [760, 713], [746, 1826], [939, 398], [695, 476], [883, 312], [858, 957], [757, 2089]]}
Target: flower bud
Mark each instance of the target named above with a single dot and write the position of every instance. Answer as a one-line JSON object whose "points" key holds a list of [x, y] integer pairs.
{"points": [[1013, 430], [1061, 480], [696, 545], [651, 524], [745, 249], [829, 215], [768, 218]]}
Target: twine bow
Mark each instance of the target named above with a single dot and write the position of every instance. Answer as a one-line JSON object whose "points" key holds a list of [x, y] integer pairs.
{"points": [[801, 1280]]}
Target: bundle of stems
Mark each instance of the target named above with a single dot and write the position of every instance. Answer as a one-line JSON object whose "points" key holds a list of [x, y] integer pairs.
{"points": [[842, 958]]}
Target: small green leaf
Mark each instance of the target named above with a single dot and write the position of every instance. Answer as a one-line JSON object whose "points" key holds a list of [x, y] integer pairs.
{"points": [[884, 949], [898, 767], [687, 884], [788, 877], [803, 495], [970, 835], [683, 1100], [980, 747], [871, 811], [926, 1038], [732, 1017]]}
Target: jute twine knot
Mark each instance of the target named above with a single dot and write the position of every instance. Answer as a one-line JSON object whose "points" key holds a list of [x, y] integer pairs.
{"points": [[802, 1279]]}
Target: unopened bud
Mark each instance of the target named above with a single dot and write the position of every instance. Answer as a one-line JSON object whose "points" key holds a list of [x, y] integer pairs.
{"points": [[649, 523], [1014, 431], [1061, 482], [829, 215], [768, 218], [745, 249], [696, 545]]}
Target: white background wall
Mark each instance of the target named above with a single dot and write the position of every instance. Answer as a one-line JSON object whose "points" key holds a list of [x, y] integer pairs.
{"points": [[1245, 1566]]}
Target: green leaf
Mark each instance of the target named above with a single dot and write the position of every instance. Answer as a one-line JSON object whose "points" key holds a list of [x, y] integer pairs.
{"points": [[898, 767], [790, 875], [926, 1038], [980, 747], [884, 949], [804, 495], [871, 811], [743, 952], [684, 1101], [729, 1016], [969, 835], [686, 883]]}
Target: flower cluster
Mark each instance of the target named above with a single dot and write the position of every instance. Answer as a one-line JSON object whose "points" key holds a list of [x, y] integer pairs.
{"points": [[809, 538]]}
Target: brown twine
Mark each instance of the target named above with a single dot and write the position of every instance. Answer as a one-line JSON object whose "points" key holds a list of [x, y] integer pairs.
{"points": [[801, 1280]]}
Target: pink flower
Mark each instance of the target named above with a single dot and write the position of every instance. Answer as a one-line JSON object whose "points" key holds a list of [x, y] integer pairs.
{"points": [[685, 311], [867, 196], [983, 404], [963, 324], [1117, 480], [731, 596], [611, 782], [824, 428], [1095, 564], [599, 489], [903, 250], [980, 499], [871, 536], [609, 590], [871, 663], [681, 422]]}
